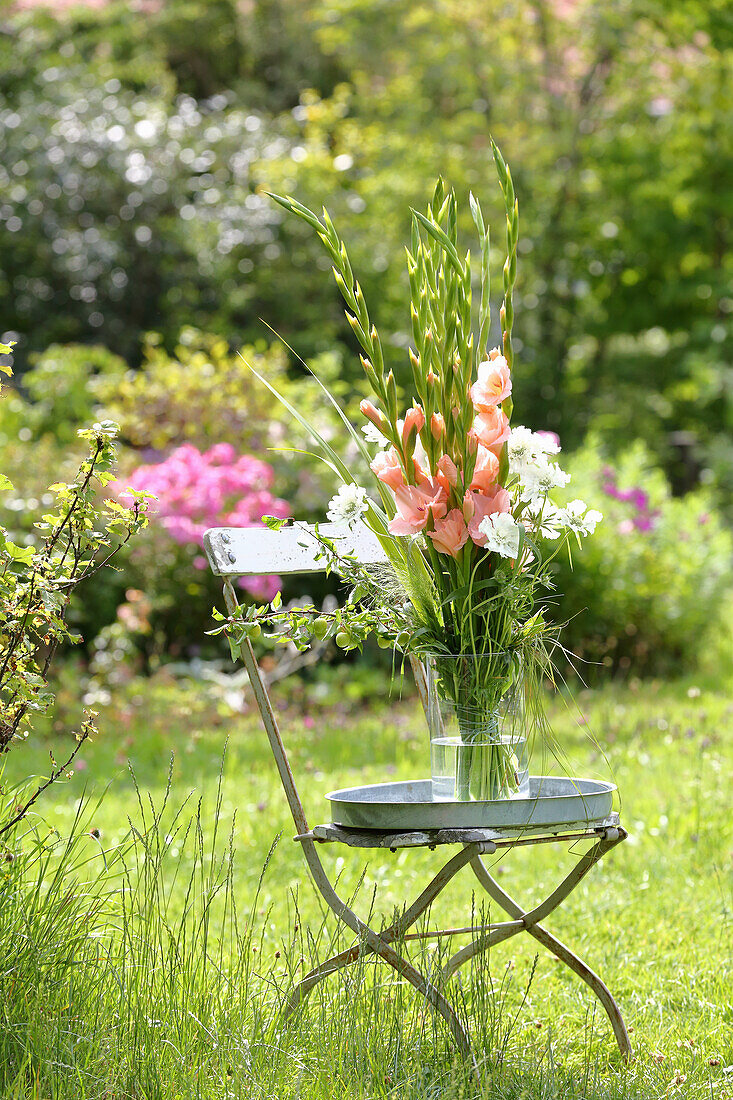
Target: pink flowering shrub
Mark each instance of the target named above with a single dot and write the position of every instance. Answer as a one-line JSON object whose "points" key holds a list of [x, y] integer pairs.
{"points": [[196, 490]]}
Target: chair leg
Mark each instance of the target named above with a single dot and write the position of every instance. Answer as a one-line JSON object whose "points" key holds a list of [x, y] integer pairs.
{"points": [[300, 992], [374, 943], [496, 933], [393, 932], [599, 988]]}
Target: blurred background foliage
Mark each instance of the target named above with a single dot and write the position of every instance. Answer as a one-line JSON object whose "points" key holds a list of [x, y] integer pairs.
{"points": [[140, 253]]}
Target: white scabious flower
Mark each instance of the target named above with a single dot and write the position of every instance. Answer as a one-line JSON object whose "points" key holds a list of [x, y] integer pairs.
{"points": [[372, 434], [502, 534], [537, 478], [349, 505], [525, 446], [577, 519], [519, 445], [548, 520]]}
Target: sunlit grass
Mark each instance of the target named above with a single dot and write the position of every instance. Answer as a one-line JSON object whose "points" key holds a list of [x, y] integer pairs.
{"points": [[164, 975]]}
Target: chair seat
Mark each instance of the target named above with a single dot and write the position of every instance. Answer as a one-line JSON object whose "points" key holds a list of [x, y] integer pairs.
{"points": [[329, 833]]}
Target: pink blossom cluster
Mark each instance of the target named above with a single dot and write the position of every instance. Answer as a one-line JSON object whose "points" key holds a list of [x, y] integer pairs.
{"points": [[196, 490], [643, 518]]}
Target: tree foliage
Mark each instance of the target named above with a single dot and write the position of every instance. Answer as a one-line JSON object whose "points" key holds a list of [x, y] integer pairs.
{"points": [[133, 187], [624, 271]]}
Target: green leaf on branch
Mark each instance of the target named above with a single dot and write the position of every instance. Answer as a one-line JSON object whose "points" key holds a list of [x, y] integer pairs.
{"points": [[273, 522], [22, 554]]}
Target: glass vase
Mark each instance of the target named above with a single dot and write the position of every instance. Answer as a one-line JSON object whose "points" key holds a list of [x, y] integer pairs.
{"points": [[476, 718]]}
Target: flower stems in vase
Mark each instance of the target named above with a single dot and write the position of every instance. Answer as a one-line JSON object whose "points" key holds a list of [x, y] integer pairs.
{"points": [[476, 724]]}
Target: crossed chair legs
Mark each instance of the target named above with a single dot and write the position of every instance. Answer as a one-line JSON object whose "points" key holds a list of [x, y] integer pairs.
{"points": [[379, 943]]}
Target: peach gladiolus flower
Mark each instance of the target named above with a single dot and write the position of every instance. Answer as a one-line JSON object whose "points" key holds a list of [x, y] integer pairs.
{"points": [[387, 468], [450, 534], [447, 473], [492, 429], [476, 506], [494, 382], [486, 469], [414, 505]]}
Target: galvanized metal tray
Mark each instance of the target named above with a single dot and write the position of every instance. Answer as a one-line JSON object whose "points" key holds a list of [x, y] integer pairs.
{"points": [[553, 801]]}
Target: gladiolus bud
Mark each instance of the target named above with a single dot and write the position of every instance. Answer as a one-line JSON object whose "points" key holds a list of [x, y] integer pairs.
{"points": [[391, 388], [437, 425], [447, 473], [414, 423], [353, 321], [371, 412], [368, 370]]}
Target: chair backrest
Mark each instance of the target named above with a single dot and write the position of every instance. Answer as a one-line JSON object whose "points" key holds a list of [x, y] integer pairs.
{"points": [[246, 551]]}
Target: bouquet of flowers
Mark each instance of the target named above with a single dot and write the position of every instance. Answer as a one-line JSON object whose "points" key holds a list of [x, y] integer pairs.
{"points": [[464, 510]]}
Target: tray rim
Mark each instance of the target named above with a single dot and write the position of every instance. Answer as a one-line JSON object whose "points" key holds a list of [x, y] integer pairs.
{"points": [[604, 787], [547, 811]]}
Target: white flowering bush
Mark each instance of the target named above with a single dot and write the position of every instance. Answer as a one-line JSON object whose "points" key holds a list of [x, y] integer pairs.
{"points": [[140, 209]]}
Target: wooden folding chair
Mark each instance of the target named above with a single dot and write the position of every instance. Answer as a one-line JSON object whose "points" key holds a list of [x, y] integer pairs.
{"points": [[237, 552]]}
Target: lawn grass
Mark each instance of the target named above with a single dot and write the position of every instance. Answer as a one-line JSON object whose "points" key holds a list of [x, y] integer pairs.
{"points": [[162, 976]]}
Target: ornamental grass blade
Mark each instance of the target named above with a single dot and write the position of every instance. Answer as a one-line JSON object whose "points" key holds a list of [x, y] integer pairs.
{"points": [[341, 469]]}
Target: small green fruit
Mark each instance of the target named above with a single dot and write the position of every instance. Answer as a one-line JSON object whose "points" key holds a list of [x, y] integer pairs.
{"points": [[320, 628]]}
